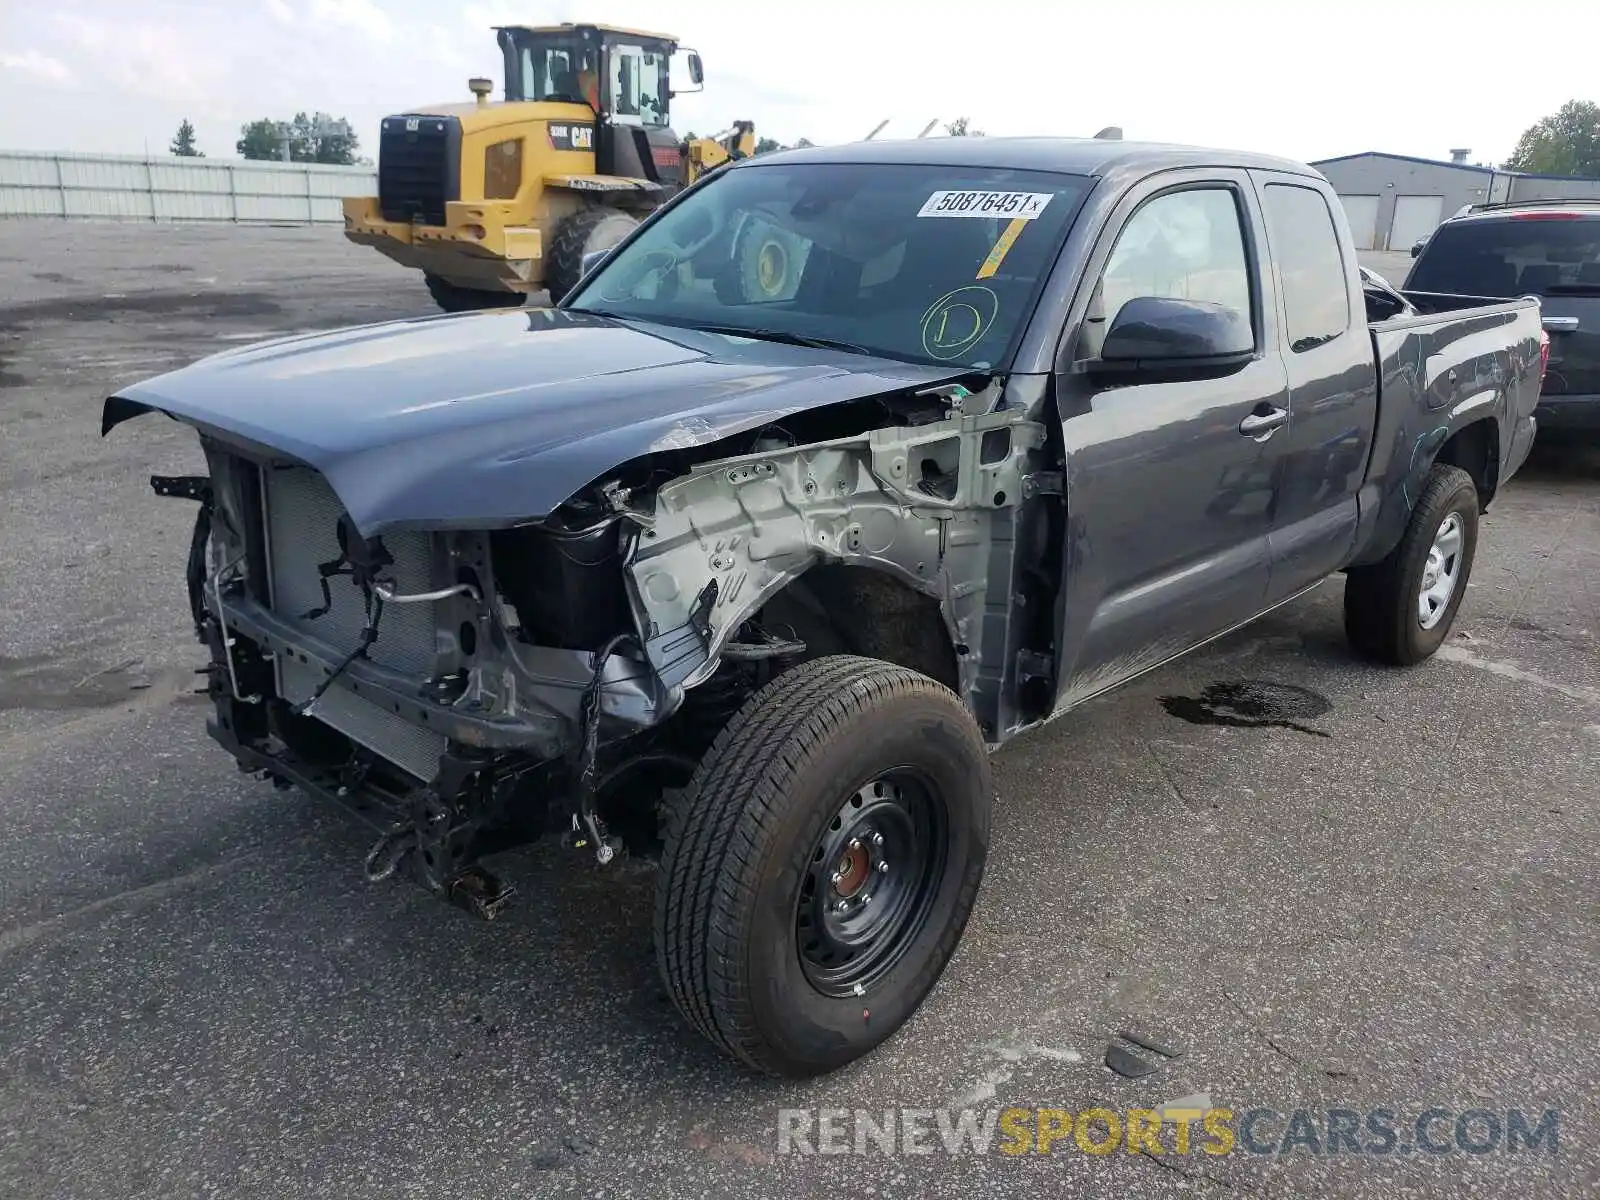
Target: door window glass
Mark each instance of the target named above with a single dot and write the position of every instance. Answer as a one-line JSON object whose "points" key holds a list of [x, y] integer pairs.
{"points": [[638, 86], [1186, 245]]}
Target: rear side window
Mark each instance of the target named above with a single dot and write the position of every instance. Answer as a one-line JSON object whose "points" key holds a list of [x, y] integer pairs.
{"points": [[1305, 244], [1513, 256]]}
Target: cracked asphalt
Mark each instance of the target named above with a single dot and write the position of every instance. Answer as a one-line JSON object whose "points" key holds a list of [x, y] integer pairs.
{"points": [[199, 995]]}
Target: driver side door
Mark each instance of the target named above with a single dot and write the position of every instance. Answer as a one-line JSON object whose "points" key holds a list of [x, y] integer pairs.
{"points": [[1169, 481]]}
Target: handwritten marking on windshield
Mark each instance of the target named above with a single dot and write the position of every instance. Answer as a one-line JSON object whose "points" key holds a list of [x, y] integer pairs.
{"points": [[955, 322]]}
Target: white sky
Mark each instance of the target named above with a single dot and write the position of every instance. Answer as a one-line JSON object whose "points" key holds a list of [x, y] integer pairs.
{"points": [[1304, 78]]}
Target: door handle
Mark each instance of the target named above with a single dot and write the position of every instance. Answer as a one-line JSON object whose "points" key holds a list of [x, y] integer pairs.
{"points": [[1261, 426], [1561, 324]]}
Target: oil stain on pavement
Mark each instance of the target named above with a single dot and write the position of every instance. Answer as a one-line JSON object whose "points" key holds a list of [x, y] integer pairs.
{"points": [[1251, 704]]}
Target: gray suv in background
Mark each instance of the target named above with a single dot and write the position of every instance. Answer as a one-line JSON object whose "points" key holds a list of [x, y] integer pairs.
{"points": [[1549, 249]]}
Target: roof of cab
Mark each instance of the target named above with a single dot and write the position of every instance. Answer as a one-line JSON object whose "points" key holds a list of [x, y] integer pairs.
{"points": [[1073, 156], [569, 26]]}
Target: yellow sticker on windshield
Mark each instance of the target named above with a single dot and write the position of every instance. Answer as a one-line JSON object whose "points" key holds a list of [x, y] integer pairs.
{"points": [[1002, 247]]}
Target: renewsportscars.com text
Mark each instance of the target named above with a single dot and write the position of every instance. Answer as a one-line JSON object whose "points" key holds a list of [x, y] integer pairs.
{"points": [[1376, 1132]]}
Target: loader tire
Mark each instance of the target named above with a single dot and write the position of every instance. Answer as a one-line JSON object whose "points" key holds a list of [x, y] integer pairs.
{"points": [[1400, 609], [765, 265], [582, 233], [820, 868], [453, 298]]}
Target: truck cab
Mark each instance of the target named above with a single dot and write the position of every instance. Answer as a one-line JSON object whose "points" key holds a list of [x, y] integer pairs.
{"points": [[623, 75]]}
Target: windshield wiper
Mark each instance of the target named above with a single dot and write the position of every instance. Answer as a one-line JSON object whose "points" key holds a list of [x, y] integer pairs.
{"points": [[1573, 289], [789, 337], [786, 336]]}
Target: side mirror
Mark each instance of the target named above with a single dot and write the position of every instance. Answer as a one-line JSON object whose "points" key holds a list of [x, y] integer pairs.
{"points": [[1161, 333], [697, 72], [1416, 246], [590, 261]]}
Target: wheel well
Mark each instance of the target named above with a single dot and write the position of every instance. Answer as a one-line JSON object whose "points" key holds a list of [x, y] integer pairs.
{"points": [[1475, 448], [835, 609]]}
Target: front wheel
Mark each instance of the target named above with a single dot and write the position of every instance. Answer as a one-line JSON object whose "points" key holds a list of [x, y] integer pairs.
{"points": [[1400, 610], [582, 233], [821, 866], [453, 298]]}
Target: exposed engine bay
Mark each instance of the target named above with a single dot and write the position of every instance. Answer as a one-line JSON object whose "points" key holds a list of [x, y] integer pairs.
{"points": [[471, 689]]}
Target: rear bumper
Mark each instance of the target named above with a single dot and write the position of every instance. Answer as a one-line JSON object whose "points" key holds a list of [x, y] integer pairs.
{"points": [[1524, 434], [480, 245], [1568, 414]]}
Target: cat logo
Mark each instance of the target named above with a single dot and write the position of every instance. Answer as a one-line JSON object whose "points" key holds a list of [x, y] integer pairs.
{"points": [[572, 137], [413, 124]]}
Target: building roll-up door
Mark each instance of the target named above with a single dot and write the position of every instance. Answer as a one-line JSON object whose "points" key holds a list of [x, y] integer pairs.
{"points": [[1415, 217], [1362, 213]]}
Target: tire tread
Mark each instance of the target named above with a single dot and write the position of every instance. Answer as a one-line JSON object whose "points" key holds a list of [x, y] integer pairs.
{"points": [[1377, 604], [564, 262], [718, 832]]}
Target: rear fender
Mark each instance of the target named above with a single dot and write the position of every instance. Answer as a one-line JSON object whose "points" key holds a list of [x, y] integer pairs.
{"points": [[1472, 445], [1449, 389]]}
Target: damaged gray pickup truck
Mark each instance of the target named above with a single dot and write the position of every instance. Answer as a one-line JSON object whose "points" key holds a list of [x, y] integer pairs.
{"points": [[846, 467]]}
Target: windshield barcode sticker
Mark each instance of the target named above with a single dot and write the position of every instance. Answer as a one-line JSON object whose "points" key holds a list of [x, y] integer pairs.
{"points": [[1022, 206]]}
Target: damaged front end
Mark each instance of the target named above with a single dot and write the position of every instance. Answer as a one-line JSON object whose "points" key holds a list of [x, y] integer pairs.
{"points": [[474, 688]]}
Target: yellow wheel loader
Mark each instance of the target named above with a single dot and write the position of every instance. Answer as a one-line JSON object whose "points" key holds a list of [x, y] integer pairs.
{"points": [[495, 200]]}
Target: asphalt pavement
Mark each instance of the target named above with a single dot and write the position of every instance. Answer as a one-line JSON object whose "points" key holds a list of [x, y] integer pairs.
{"points": [[1329, 885]]}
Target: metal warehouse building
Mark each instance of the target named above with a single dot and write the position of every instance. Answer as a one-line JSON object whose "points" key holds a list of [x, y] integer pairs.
{"points": [[1393, 200]]}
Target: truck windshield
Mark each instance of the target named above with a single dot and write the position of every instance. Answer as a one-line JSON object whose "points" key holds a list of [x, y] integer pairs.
{"points": [[1513, 256], [915, 262]]}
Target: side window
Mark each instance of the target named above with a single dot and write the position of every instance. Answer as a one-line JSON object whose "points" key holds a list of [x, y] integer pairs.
{"points": [[1188, 245], [1305, 244], [638, 86]]}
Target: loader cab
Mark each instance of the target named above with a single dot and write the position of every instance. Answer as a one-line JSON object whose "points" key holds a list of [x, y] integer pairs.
{"points": [[624, 75]]}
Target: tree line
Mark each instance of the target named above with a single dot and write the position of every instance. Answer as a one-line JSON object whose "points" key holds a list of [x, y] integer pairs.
{"points": [[1567, 142], [313, 138]]}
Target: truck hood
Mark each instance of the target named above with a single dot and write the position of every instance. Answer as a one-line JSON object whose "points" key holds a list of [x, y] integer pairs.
{"points": [[476, 118], [490, 419]]}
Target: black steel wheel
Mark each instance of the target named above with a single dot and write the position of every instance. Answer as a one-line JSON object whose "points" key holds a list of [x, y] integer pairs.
{"points": [[872, 880], [820, 868]]}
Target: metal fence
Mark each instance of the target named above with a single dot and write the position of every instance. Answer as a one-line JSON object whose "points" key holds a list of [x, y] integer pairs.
{"points": [[115, 187]]}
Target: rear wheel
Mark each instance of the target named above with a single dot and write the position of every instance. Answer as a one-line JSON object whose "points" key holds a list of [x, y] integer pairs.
{"points": [[1401, 609], [454, 298], [822, 864], [582, 233]]}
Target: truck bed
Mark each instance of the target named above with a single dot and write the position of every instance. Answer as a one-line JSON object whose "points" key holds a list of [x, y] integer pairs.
{"points": [[1458, 360]]}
